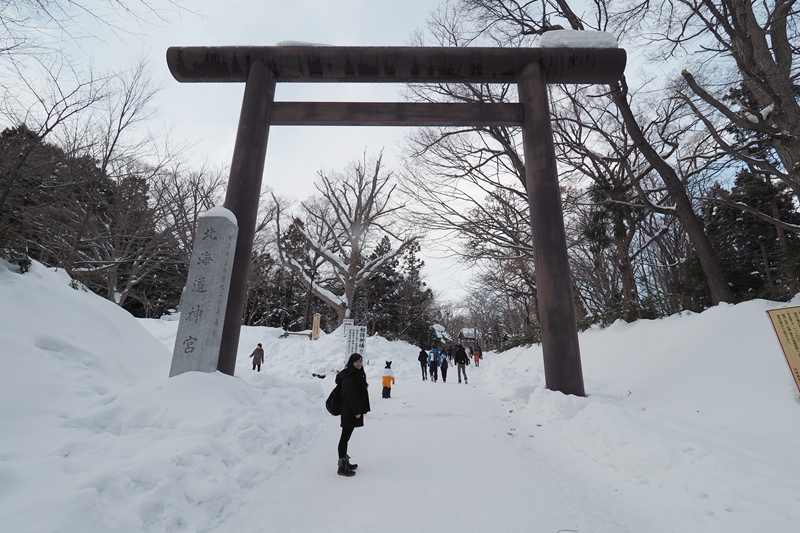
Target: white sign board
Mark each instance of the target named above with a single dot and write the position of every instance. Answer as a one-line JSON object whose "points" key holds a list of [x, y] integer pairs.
{"points": [[356, 338]]}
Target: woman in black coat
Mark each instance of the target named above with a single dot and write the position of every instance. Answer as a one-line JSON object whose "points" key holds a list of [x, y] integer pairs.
{"points": [[355, 404]]}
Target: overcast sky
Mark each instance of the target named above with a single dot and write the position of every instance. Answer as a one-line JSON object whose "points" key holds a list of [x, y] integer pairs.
{"points": [[295, 153], [208, 113]]}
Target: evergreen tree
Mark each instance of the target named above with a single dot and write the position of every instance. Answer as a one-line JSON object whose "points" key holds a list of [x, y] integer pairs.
{"points": [[274, 296], [399, 303], [760, 257], [380, 292], [125, 252]]}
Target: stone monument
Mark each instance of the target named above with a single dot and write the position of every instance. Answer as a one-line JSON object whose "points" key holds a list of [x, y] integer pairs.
{"points": [[205, 296]]}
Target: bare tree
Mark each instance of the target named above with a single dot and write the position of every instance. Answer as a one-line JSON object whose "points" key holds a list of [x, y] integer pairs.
{"points": [[340, 226], [42, 110], [755, 44], [741, 81], [185, 194], [107, 138], [492, 152], [31, 26], [93, 211], [453, 318]]}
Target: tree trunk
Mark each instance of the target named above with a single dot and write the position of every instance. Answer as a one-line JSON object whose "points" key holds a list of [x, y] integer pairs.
{"points": [[715, 275], [790, 269], [764, 58]]}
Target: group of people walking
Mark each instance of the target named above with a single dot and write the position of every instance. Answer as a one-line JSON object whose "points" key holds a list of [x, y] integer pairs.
{"points": [[355, 398], [434, 360]]}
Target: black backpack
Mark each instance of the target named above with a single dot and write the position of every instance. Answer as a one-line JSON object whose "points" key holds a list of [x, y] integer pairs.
{"points": [[334, 402]]}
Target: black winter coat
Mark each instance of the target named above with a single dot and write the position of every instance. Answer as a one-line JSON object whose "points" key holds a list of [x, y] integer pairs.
{"points": [[355, 398], [461, 356], [423, 357]]}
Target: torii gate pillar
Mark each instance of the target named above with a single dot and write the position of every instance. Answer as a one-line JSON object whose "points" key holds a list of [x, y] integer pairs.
{"points": [[241, 198], [562, 361]]}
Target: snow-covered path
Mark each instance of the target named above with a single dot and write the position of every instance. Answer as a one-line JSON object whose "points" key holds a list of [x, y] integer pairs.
{"points": [[448, 457]]}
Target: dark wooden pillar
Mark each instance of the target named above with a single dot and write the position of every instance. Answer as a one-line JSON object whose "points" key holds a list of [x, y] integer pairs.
{"points": [[244, 190], [562, 359]]}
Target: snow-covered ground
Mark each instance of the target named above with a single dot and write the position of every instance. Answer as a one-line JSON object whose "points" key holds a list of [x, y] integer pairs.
{"points": [[691, 424]]}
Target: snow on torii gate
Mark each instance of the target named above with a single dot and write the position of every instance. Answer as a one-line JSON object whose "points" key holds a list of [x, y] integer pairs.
{"points": [[531, 69]]}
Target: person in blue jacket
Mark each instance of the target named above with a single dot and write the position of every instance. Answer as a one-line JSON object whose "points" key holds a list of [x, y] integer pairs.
{"points": [[434, 359]]}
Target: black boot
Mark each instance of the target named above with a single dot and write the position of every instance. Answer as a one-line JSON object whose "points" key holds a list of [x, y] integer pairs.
{"points": [[344, 468], [351, 465]]}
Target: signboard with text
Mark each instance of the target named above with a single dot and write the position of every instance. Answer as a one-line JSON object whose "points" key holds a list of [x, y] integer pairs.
{"points": [[315, 327], [356, 338], [786, 322]]}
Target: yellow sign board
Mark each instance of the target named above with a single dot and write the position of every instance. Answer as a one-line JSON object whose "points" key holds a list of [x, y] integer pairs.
{"points": [[315, 327], [786, 322]]}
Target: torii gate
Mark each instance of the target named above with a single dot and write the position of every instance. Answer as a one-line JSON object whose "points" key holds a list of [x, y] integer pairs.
{"points": [[261, 67]]}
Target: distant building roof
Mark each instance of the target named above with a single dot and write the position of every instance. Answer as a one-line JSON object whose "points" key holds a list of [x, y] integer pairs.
{"points": [[469, 333]]}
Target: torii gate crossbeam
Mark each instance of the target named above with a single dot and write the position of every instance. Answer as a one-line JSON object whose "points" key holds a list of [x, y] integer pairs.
{"points": [[531, 69]]}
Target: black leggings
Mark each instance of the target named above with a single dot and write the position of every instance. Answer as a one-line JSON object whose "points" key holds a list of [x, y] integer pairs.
{"points": [[343, 440]]}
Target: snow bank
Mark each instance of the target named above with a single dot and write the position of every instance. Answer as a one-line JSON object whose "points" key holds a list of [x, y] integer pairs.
{"points": [[704, 402], [97, 435], [577, 39]]}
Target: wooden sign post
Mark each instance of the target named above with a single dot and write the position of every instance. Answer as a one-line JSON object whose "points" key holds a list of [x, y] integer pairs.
{"points": [[786, 322]]}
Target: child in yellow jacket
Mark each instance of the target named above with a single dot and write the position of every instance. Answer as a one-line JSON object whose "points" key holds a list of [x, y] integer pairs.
{"points": [[388, 380]]}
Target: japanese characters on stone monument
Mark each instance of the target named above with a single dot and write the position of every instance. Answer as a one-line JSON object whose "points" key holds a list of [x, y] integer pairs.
{"points": [[205, 296]]}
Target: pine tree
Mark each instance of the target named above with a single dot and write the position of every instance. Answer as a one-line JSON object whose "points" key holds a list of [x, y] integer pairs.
{"points": [[760, 257], [399, 303]]}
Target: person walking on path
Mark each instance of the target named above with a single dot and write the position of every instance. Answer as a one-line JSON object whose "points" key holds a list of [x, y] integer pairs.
{"points": [[423, 362], [433, 364], [460, 357], [258, 357], [355, 404], [444, 369], [388, 380]]}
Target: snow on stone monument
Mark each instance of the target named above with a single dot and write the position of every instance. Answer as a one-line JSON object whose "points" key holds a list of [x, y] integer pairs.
{"points": [[205, 296]]}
